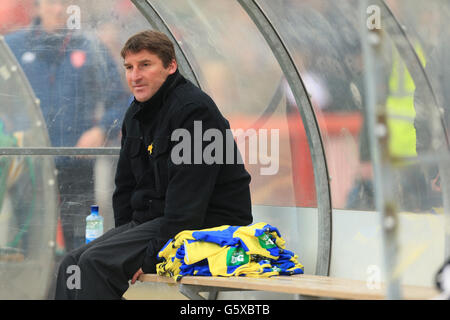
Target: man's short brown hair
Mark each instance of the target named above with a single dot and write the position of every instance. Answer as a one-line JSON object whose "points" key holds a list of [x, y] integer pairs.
{"points": [[154, 41]]}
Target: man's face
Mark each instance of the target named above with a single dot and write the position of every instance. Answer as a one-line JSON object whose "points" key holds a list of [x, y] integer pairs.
{"points": [[53, 14], [146, 73]]}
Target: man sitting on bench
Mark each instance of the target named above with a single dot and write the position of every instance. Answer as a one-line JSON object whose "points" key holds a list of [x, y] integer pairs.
{"points": [[163, 185]]}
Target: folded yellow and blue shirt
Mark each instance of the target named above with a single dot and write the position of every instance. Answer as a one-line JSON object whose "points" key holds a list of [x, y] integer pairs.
{"points": [[256, 250]]}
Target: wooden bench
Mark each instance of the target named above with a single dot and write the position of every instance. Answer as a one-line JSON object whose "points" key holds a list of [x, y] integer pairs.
{"points": [[307, 286]]}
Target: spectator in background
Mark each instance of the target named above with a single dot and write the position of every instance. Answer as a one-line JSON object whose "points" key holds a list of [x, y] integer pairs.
{"points": [[438, 72], [81, 97], [15, 14]]}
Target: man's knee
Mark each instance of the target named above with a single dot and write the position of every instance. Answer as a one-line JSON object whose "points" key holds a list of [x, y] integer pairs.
{"points": [[87, 258], [67, 261]]}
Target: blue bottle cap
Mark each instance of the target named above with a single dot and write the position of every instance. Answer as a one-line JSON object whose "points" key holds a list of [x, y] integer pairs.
{"points": [[94, 209]]}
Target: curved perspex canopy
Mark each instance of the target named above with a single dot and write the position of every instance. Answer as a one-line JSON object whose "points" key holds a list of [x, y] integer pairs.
{"points": [[339, 109]]}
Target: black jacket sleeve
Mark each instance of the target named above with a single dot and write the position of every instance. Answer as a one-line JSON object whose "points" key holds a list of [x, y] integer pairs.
{"points": [[125, 184], [190, 184]]}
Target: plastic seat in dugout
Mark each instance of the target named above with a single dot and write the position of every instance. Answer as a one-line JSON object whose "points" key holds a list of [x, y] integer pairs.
{"points": [[301, 80]]}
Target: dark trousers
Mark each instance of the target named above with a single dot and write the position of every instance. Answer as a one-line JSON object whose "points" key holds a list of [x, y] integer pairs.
{"points": [[106, 264]]}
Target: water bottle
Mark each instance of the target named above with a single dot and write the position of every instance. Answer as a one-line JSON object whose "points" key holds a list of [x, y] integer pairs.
{"points": [[94, 225]]}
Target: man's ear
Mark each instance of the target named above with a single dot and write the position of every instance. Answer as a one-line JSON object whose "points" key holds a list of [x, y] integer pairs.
{"points": [[173, 66]]}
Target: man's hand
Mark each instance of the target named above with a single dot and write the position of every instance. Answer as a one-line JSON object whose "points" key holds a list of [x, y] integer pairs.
{"points": [[136, 275], [93, 138]]}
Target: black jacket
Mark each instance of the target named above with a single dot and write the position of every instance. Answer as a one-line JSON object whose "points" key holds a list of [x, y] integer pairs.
{"points": [[187, 196]]}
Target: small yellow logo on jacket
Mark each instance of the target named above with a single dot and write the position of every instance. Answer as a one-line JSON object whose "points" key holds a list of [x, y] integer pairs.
{"points": [[150, 148]]}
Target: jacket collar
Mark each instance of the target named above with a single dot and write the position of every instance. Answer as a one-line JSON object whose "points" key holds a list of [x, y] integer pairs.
{"points": [[156, 102]]}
